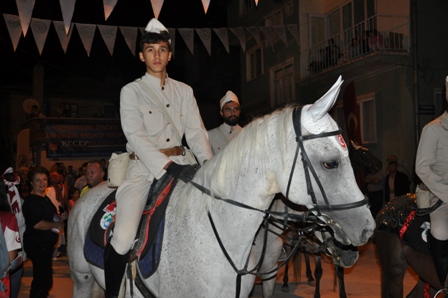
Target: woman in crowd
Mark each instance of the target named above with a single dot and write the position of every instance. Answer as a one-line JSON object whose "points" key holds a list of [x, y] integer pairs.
{"points": [[42, 230]]}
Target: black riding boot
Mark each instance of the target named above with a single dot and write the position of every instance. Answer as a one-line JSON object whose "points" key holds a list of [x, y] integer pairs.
{"points": [[114, 267], [439, 254]]}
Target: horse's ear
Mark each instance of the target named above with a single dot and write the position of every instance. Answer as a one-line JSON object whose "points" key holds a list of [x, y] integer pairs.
{"points": [[326, 102], [355, 145]]}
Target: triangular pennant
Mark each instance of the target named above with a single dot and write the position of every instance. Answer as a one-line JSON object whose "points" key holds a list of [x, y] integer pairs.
{"points": [[205, 34], [142, 30], [281, 33], [40, 31], [172, 32], [25, 8], [240, 34], [109, 34], [255, 32], [268, 34], [130, 36], [188, 36], [63, 37], [14, 29], [223, 36], [156, 7], [109, 6], [86, 33], [294, 30], [206, 4], [67, 8], [256, 2]]}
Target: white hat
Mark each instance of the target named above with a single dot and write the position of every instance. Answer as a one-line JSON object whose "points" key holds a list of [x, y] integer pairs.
{"points": [[229, 97], [155, 26]]}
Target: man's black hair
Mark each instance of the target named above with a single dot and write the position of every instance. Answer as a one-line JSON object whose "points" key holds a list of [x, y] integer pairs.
{"points": [[151, 37]]}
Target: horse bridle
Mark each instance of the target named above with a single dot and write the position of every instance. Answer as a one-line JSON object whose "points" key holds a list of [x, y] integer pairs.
{"points": [[307, 166]]}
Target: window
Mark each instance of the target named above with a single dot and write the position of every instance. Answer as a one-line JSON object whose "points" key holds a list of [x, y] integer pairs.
{"points": [[367, 113], [282, 84], [254, 63]]}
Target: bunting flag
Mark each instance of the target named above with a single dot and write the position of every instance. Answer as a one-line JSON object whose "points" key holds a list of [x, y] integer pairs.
{"points": [[156, 7], [206, 4], [109, 34], [130, 37], [351, 114], [205, 34], [255, 32], [67, 8], [281, 33], [40, 31], [240, 34], [268, 34], [109, 6], [86, 33], [63, 37], [25, 8], [256, 2], [188, 36], [294, 30], [223, 36], [14, 29]]}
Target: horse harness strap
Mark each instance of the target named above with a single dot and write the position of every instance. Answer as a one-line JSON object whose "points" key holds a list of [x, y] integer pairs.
{"points": [[307, 167]]}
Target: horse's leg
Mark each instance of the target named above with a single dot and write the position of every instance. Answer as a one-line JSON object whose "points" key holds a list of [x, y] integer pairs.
{"points": [[309, 275], [285, 286], [393, 264], [317, 274], [340, 275], [422, 265]]}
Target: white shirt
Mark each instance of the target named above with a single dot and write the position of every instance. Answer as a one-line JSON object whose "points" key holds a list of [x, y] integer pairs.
{"points": [[222, 135]]}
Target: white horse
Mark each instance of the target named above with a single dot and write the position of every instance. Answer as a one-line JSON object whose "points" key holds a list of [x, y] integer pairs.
{"points": [[256, 165]]}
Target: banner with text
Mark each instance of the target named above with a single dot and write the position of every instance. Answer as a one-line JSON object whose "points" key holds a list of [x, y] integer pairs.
{"points": [[98, 138]]}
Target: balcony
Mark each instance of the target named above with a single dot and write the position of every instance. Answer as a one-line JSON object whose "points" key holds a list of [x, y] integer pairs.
{"points": [[379, 42]]}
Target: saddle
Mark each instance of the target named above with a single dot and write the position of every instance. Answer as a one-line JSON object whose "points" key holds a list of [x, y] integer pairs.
{"points": [[400, 216], [148, 240]]}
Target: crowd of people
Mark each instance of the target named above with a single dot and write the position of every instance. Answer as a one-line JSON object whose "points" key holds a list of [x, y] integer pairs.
{"points": [[34, 207]]}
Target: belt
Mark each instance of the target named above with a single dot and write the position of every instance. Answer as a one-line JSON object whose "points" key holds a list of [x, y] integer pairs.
{"points": [[175, 151]]}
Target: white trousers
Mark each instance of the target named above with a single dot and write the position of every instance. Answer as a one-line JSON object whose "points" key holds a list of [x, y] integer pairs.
{"points": [[439, 222]]}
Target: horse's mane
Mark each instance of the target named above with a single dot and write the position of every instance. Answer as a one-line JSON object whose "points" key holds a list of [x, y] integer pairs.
{"points": [[250, 147]]}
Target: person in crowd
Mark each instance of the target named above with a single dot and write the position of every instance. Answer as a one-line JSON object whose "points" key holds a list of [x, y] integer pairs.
{"points": [[376, 41], [431, 166], [70, 178], [375, 187], [24, 186], [10, 231], [230, 112], [153, 142], [82, 180], [332, 52], [74, 195], [95, 174], [43, 226], [396, 183]]}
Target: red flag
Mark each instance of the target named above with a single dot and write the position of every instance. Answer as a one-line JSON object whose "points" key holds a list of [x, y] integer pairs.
{"points": [[351, 114]]}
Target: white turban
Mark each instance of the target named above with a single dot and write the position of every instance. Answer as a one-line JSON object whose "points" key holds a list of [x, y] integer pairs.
{"points": [[229, 97], [154, 26]]}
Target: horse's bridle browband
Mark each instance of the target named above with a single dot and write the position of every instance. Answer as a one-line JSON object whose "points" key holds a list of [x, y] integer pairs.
{"points": [[308, 167]]}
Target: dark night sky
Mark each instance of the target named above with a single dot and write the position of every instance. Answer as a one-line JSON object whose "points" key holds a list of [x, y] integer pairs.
{"points": [[16, 67]]}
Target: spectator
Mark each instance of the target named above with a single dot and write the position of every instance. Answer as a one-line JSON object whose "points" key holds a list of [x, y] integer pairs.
{"points": [[376, 41], [94, 174], [396, 183], [333, 53], [24, 186], [70, 178], [41, 235], [74, 195], [375, 187], [82, 180]]}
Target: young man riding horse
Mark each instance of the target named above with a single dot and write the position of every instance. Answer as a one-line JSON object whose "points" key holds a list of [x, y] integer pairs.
{"points": [[156, 111], [432, 168]]}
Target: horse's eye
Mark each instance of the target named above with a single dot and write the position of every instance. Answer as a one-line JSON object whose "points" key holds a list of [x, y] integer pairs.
{"points": [[331, 165]]}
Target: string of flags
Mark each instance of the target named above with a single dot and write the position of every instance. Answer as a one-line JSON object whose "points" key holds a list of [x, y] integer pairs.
{"points": [[41, 27]]}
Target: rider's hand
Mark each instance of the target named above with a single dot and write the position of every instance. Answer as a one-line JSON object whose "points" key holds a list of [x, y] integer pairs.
{"points": [[183, 172]]}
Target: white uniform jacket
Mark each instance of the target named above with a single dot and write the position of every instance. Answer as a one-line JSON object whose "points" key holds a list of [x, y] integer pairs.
{"points": [[431, 163], [147, 130], [222, 135]]}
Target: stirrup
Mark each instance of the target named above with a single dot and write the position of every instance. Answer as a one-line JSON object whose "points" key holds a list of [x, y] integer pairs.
{"points": [[444, 290]]}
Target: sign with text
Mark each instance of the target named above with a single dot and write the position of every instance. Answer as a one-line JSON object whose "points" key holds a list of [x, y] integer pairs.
{"points": [[426, 109], [71, 138]]}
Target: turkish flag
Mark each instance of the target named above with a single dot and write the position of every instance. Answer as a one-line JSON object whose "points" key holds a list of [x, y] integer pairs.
{"points": [[351, 114]]}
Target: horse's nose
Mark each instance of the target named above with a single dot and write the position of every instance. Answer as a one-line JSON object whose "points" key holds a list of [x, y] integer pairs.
{"points": [[368, 230]]}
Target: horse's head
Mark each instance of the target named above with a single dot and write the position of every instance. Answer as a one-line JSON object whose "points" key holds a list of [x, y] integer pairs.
{"points": [[325, 171], [361, 157]]}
